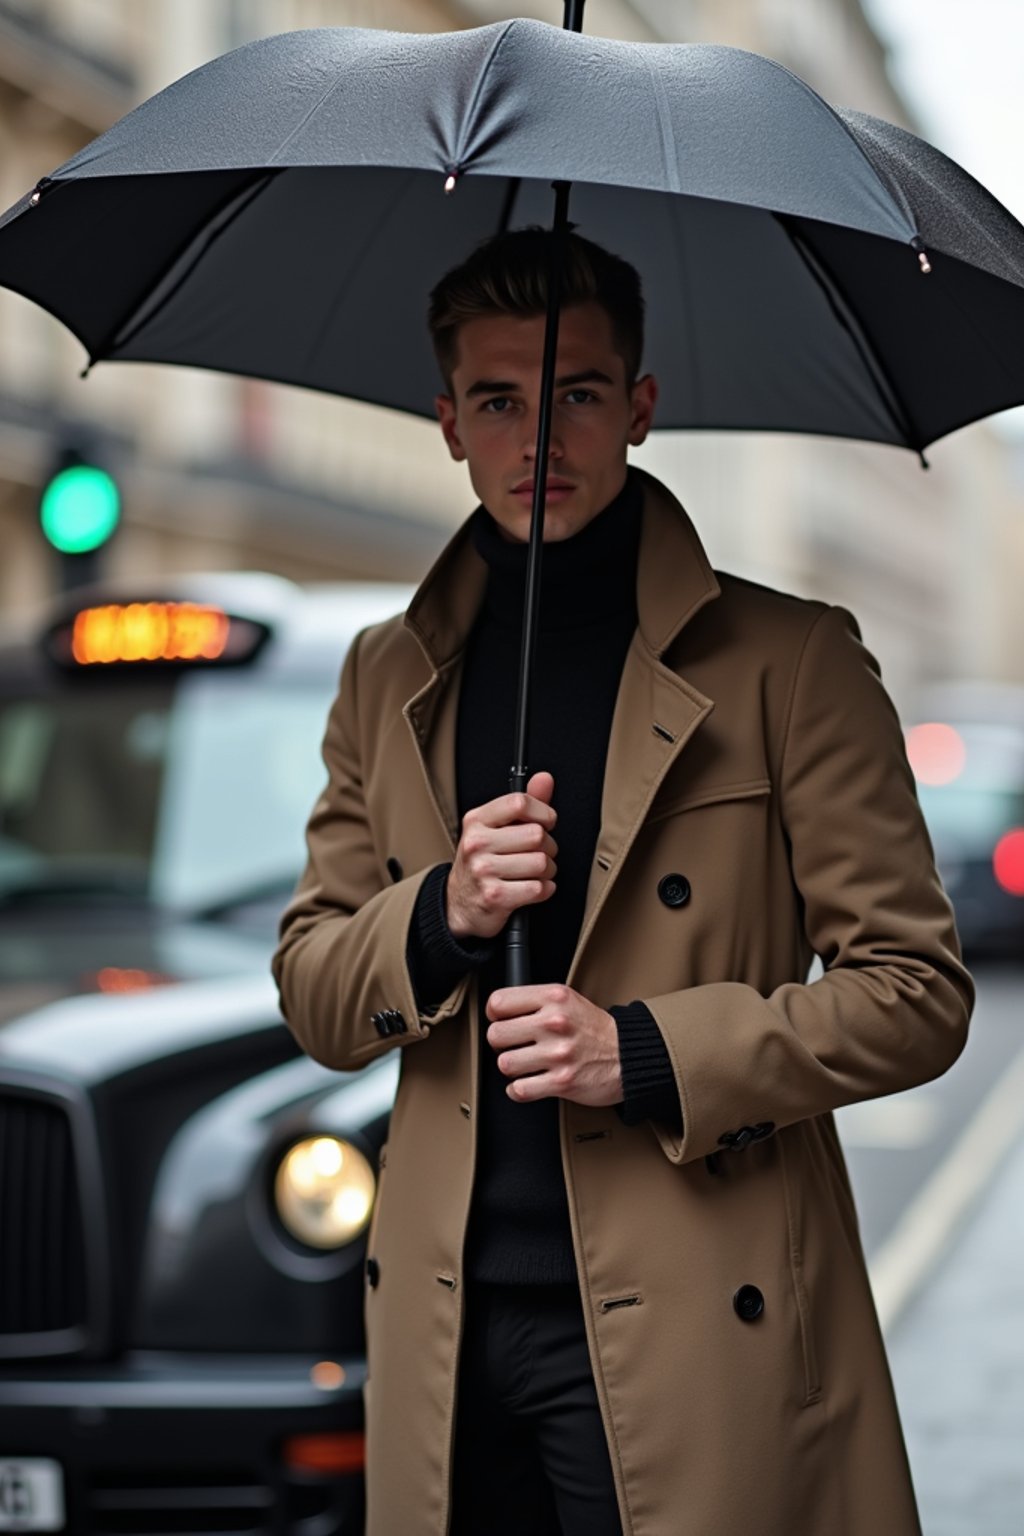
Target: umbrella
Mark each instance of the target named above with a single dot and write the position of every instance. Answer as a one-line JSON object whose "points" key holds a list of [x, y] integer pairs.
{"points": [[806, 268]]}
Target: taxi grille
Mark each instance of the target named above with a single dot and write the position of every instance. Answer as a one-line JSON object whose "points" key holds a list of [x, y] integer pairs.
{"points": [[42, 1253]]}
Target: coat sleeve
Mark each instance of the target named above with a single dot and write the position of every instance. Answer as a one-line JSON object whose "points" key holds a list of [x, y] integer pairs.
{"points": [[341, 960], [892, 1007]]}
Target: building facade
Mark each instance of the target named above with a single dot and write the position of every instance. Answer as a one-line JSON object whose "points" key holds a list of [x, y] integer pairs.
{"points": [[219, 472]]}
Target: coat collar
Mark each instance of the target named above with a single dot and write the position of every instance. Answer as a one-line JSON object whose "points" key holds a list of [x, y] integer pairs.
{"points": [[674, 581]]}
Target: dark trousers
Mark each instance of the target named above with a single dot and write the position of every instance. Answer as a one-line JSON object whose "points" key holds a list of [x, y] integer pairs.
{"points": [[531, 1457]]}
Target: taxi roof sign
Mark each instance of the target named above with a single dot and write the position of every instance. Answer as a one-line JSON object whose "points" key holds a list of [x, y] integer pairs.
{"points": [[154, 632]]}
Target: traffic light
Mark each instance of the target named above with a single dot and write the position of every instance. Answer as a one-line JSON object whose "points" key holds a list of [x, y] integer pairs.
{"points": [[79, 510]]}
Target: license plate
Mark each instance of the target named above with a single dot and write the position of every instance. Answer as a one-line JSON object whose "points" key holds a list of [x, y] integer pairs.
{"points": [[31, 1495]]}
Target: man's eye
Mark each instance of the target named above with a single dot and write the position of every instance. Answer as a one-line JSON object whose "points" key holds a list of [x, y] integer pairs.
{"points": [[496, 404], [587, 394]]}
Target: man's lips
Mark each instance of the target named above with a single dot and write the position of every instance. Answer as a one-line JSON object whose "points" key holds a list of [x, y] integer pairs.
{"points": [[553, 487]]}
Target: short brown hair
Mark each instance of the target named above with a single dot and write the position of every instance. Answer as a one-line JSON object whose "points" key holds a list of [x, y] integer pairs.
{"points": [[508, 274]]}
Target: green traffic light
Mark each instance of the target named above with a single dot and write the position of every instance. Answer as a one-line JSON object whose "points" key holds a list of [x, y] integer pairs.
{"points": [[80, 509]]}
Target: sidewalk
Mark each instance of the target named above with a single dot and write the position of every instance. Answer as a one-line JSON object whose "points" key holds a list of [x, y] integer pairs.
{"points": [[957, 1359]]}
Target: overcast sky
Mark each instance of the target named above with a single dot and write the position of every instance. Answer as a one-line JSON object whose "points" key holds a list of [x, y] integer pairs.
{"points": [[960, 63]]}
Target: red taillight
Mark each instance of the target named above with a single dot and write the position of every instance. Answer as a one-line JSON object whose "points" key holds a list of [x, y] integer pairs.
{"points": [[937, 753], [1008, 861], [113, 978], [326, 1454]]}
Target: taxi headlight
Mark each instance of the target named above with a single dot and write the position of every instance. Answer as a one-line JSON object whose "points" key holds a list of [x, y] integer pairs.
{"points": [[323, 1190]]}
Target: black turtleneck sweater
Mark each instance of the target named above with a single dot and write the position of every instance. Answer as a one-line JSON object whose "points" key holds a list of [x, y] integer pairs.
{"points": [[519, 1228]]}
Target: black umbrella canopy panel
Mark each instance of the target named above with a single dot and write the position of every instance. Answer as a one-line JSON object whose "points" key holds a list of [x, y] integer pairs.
{"points": [[280, 212]]}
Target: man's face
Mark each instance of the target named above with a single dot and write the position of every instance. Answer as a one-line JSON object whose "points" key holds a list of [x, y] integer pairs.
{"points": [[490, 418]]}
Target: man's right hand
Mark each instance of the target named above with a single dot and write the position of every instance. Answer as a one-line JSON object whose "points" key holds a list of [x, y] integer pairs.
{"points": [[505, 859]]}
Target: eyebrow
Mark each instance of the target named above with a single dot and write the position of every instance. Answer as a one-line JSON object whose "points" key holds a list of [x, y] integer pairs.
{"points": [[507, 386]]}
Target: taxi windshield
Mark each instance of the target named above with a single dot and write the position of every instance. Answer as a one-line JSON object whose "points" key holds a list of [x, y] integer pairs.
{"points": [[188, 791]]}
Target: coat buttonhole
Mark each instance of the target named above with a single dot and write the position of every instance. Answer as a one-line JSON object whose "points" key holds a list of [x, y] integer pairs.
{"points": [[612, 1302], [448, 1280], [590, 1135], [602, 862], [659, 730]]}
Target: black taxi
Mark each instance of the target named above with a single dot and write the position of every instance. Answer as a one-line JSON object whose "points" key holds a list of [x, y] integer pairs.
{"points": [[184, 1198]]}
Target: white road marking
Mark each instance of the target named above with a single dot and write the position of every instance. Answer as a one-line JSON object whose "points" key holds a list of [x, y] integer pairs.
{"points": [[904, 1260]]}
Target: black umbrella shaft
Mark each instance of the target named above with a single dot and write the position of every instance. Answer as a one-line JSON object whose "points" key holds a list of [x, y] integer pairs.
{"points": [[517, 945], [517, 963]]}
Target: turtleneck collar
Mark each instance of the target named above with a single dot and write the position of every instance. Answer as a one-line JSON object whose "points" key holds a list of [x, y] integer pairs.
{"points": [[584, 579]]}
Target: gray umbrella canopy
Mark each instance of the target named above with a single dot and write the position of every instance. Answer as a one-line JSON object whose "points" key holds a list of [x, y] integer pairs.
{"points": [[281, 212]]}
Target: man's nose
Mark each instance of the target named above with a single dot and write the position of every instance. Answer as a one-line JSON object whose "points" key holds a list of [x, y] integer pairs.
{"points": [[531, 439]]}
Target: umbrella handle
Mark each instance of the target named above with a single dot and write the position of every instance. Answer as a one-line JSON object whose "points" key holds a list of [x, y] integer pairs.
{"points": [[517, 929]]}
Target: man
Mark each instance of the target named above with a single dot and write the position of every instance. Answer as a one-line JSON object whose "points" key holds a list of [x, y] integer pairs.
{"points": [[614, 1276]]}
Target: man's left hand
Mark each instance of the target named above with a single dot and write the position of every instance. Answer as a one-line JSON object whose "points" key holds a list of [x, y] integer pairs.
{"points": [[555, 1044]]}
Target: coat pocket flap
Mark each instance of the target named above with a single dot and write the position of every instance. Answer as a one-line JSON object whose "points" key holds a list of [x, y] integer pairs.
{"points": [[709, 794]]}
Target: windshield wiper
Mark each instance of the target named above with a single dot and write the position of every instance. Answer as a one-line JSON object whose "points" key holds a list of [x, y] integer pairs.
{"points": [[277, 888], [60, 885]]}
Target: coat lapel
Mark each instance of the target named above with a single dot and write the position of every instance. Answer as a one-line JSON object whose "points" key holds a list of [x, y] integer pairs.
{"points": [[441, 616], [656, 714], [656, 711], [431, 717]]}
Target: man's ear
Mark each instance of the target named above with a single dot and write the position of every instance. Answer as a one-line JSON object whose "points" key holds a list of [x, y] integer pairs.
{"points": [[444, 405], [643, 399]]}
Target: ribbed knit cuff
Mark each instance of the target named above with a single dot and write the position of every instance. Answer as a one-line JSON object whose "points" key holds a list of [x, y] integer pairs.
{"points": [[648, 1082], [437, 960]]}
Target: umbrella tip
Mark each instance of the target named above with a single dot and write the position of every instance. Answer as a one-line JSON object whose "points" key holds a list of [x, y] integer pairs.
{"points": [[917, 244], [449, 185], [34, 199]]}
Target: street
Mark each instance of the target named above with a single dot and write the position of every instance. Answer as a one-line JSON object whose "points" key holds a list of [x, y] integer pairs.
{"points": [[939, 1178]]}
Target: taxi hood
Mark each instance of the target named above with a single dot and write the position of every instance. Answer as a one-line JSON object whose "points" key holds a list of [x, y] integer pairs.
{"points": [[96, 1038], [79, 951]]}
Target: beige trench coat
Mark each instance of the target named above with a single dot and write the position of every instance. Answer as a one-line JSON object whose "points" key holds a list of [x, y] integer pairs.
{"points": [[753, 750]]}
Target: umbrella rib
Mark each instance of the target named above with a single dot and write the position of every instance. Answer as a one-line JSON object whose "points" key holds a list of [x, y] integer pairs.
{"points": [[511, 193], [360, 256], [304, 119], [890, 188], [148, 308], [478, 90], [846, 315], [664, 115]]}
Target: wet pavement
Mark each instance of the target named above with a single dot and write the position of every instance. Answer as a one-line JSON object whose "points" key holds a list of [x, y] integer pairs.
{"points": [[957, 1358]]}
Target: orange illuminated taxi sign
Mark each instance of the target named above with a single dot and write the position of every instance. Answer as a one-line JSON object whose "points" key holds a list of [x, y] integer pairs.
{"points": [[118, 632]]}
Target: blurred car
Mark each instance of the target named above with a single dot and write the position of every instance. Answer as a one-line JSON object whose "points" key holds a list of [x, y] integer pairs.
{"points": [[966, 748], [184, 1198]]}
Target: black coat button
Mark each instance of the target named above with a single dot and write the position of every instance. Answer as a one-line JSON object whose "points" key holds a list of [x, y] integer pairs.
{"points": [[372, 1272], [748, 1303], [389, 1021], [674, 890]]}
